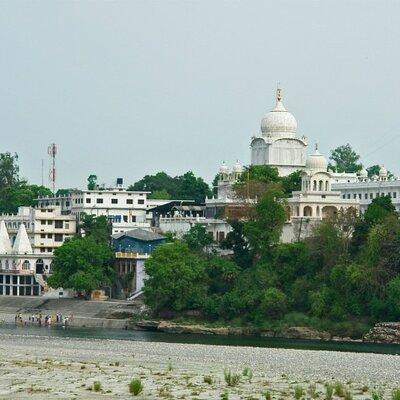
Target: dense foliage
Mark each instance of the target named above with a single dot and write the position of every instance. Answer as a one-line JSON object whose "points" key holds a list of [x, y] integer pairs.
{"points": [[84, 262], [347, 273], [16, 192], [344, 159], [256, 178], [182, 187]]}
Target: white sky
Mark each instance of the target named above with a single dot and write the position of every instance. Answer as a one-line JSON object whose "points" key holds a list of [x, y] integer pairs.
{"points": [[128, 88]]}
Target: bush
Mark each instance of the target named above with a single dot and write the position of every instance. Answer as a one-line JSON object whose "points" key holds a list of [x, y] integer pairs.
{"points": [[135, 386], [273, 303], [97, 386]]}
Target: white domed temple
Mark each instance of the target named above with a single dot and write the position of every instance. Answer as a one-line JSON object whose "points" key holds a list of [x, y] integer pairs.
{"points": [[278, 144]]}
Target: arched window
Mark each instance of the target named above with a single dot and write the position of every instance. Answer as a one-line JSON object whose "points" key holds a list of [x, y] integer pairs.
{"points": [[307, 211], [26, 265], [320, 186], [315, 186]]}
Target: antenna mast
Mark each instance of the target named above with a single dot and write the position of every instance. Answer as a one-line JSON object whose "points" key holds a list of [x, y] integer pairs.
{"points": [[52, 150]]}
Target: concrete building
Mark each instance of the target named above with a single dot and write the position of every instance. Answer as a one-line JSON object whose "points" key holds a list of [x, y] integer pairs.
{"points": [[315, 201], [365, 189], [131, 250], [21, 270], [46, 227], [125, 209]]}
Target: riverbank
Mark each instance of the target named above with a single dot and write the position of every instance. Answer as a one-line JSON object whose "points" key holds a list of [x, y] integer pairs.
{"points": [[288, 332], [66, 368]]}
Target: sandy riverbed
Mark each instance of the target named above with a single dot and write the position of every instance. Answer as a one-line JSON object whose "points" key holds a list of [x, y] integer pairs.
{"points": [[65, 368]]}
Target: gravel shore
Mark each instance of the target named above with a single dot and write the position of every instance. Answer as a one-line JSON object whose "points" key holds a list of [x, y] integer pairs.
{"points": [[66, 368]]}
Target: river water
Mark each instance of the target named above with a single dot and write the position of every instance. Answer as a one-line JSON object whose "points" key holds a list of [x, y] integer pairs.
{"points": [[146, 336]]}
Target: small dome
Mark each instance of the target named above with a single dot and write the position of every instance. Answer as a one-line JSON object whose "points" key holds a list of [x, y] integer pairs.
{"points": [[223, 169], [363, 173], [374, 177], [279, 122], [316, 161], [238, 167], [383, 171]]}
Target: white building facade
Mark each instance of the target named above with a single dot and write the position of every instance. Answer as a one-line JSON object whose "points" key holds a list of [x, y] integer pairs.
{"points": [[365, 189], [125, 209], [277, 144], [47, 228], [21, 270], [315, 201]]}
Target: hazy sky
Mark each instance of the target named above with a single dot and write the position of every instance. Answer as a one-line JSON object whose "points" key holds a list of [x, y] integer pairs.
{"points": [[128, 88]]}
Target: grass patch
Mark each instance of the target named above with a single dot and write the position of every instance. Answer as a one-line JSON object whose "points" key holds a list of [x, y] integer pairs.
{"points": [[339, 389], [231, 379], [208, 379], [97, 386], [396, 394], [329, 391], [298, 392], [267, 395], [376, 395], [247, 371], [135, 386]]}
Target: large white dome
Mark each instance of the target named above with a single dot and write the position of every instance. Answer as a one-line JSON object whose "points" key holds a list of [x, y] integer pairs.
{"points": [[279, 122], [316, 162]]}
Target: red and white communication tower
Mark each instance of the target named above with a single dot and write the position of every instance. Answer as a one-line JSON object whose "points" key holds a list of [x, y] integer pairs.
{"points": [[52, 150]]}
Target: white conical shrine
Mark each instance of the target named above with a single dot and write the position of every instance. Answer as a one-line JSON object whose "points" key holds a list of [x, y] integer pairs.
{"points": [[22, 244], [5, 244]]}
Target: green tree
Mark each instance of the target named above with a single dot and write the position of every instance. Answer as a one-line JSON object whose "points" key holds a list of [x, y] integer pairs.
{"points": [[374, 170], [192, 187], [345, 159], [160, 195], [261, 173], [92, 182], [273, 303], [177, 279], [214, 185], [379, 209], [236, 241], [21, 194], [291, 183], [393, 298], [82, 264], [264, 227], [9, 170], [197, 238], [183, 187], [95, 227]]}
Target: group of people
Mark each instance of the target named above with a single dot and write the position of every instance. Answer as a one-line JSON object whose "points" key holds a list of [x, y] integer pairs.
{"points": [[45, 320]]}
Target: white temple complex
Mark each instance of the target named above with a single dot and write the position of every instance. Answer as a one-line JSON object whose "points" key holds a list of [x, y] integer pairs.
{"points": [[21, 270]]}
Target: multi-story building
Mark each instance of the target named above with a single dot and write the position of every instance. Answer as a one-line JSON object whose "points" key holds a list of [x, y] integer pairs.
{"points": [[365, 189], [131, 250], [125, 209], [46, 227]]}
